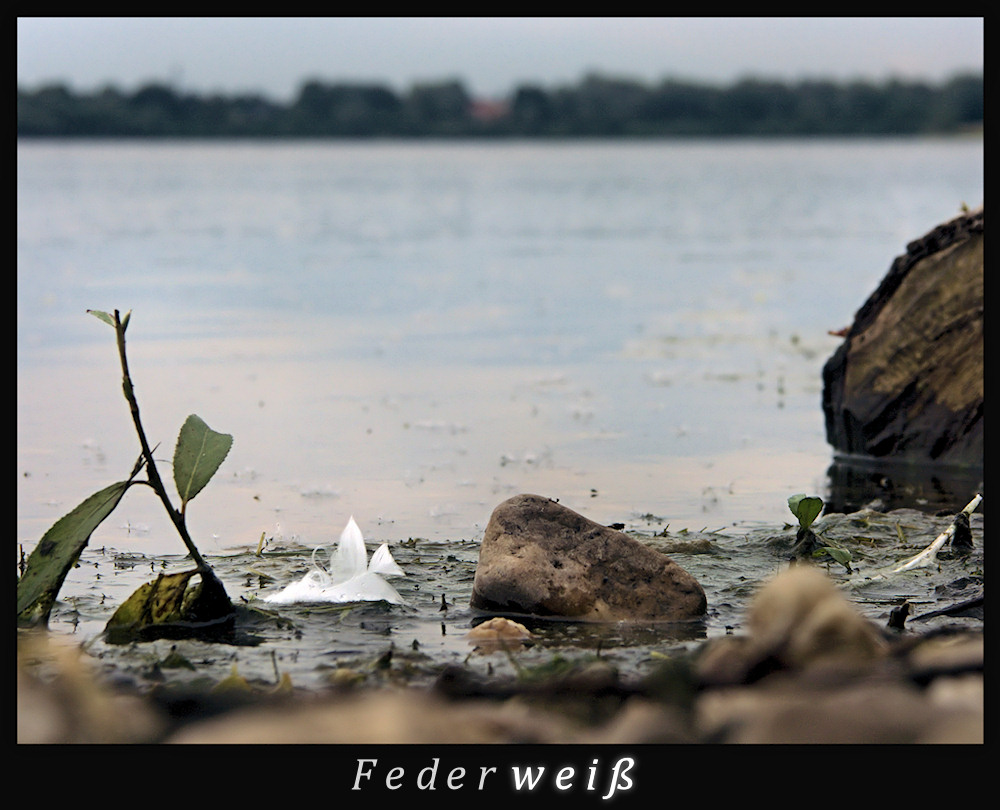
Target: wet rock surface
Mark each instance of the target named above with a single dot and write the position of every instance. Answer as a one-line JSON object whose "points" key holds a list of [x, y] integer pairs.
{"points": [[541, 558]]}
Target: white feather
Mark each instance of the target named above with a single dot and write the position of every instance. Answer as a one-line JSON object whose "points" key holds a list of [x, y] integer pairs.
{"points": [[351, 577]]}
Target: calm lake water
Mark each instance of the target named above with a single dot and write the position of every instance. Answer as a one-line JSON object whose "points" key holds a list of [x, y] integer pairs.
{"points": [[409, 333]]}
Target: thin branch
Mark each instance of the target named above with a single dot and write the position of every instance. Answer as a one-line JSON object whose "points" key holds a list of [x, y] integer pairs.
{"points": [[155, 481]]}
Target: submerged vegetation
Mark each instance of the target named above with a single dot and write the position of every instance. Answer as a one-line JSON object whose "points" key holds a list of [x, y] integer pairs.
{"points": [[170, 605], [597, 106]]}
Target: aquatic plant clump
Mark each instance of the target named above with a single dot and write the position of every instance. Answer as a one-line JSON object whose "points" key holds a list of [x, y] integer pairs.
{"points": [[198, 454]]}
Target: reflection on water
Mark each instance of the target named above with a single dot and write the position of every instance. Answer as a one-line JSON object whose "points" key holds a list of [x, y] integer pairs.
{"points": [[855, 483]]}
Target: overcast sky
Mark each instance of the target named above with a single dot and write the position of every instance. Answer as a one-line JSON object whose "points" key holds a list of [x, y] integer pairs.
{"points": [[491, 55]]}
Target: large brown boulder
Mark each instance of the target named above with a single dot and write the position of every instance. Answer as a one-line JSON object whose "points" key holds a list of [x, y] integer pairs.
{"points": [[540, 558], [907, 382]]}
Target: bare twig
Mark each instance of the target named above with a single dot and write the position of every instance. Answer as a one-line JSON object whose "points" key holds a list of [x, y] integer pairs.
{"points": [[926, 556]]}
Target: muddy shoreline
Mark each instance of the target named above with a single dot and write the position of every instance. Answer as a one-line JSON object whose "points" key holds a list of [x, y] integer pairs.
{"points": [[379, 673]]}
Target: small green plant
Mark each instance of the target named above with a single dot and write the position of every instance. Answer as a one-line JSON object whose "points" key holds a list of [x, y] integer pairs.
{"points": [[169, 603], [807, 508]]}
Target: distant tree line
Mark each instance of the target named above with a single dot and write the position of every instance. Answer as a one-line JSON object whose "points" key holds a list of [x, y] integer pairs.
{"points": [[597, 106]]}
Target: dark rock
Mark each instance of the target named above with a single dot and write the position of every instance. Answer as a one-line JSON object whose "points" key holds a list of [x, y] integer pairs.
{"points": [[907, 382], [540, 558], [897, 616], [961, 539]]}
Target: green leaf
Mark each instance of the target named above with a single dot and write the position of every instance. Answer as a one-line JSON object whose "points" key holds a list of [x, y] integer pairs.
{"points": [[158, 602], [806, 508], [199, 452], [109, 319], [58, 551], [170, 607], [103, 316], [841, 555]]}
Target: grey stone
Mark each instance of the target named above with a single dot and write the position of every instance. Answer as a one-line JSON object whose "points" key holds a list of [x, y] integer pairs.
{"points": [[541, 558]]}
